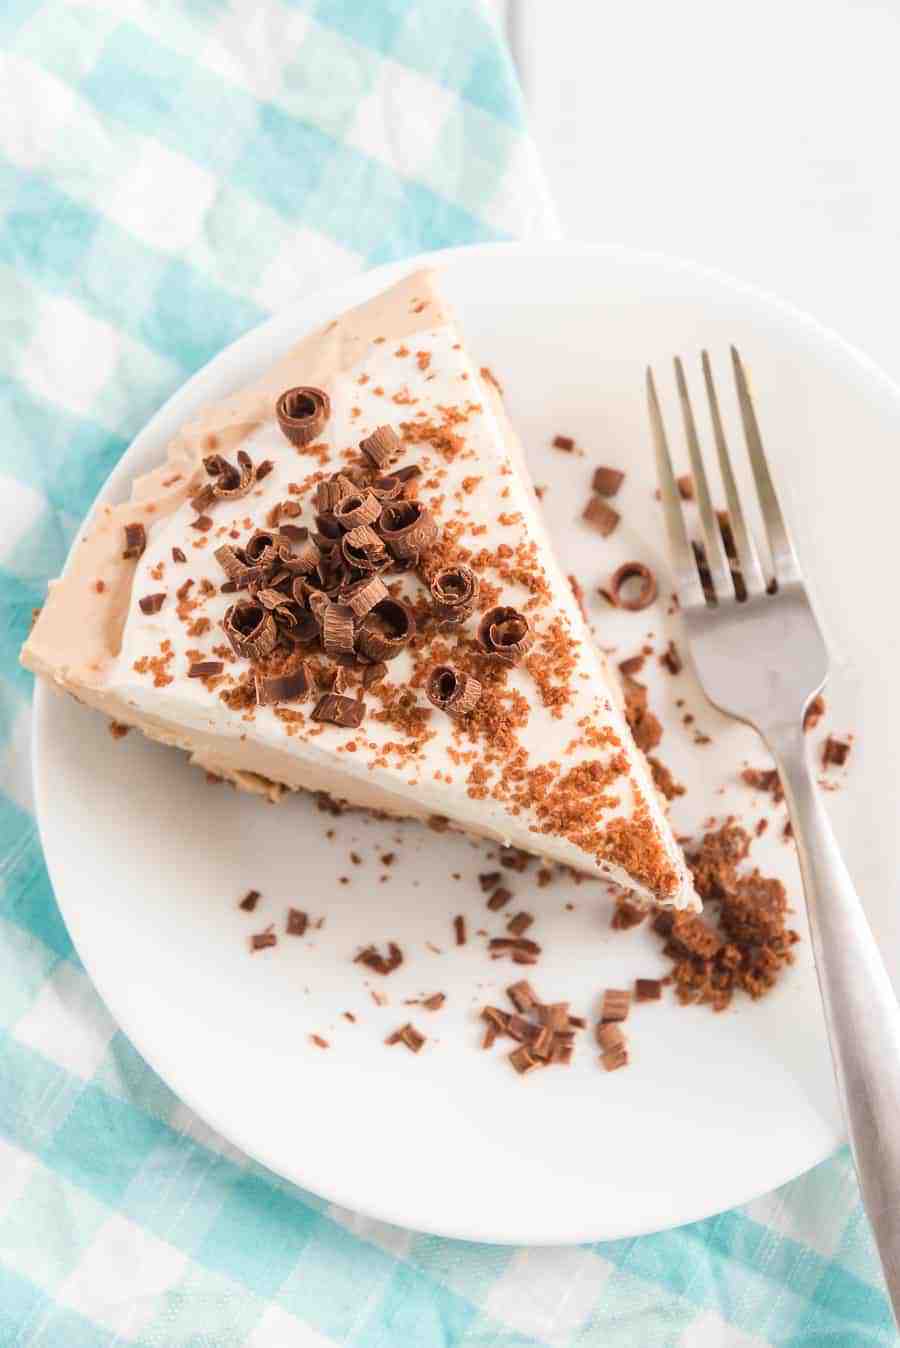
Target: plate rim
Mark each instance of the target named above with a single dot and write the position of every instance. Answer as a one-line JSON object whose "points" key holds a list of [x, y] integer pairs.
{"points": [[335, 298]]}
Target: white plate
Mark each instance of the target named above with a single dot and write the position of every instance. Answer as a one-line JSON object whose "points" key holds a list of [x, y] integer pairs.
{"points": [[148, 860]]}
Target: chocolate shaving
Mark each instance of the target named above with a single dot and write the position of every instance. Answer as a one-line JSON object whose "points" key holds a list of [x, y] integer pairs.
{"points": [[518, 925], [205, 669], [358, 508], [362, 595], [250, 629], [647, 989], [297, 922], [454, 590], [523, 996], [135, 541], [346, 712], [523, 1060], [152, 603], [382, 446], [488, 880], [362, 548], [607, 481], [408, 1035], [600, 516], [230, 484], [373, 674], [434, 1002], [302, 413], [451, 691], [564, 442], [835, 752], [178, 555], [506, 634], [614, 1059], [385, 630], [250, 900], [407, 528], [671, 659], [372, 958], [337, 629], [615, 1005], [499, 899], [685, 485], [235, 567], [629, 571], [295, 686], [459, 929], [262, 940], [387, 488]]}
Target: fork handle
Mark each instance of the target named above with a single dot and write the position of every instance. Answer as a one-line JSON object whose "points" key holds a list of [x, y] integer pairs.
{"points": [[861, 1010]]}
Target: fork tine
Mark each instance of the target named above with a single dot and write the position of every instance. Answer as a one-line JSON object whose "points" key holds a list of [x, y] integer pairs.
{"points": [[712, 534], [743, 540], [784, 559], [684, 565]]}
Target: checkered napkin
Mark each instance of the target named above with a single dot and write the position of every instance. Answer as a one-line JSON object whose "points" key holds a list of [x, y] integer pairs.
{"points": [[171, 171]]}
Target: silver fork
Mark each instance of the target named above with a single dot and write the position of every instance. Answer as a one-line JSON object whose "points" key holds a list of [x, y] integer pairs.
{"points": [[761, 658]]}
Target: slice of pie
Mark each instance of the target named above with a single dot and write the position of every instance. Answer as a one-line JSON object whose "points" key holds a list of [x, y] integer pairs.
{"points": [[339, 580]]}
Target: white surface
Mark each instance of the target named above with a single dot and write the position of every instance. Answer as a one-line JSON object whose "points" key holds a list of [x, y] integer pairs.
{"points": [[757, 139], [149, 862]]}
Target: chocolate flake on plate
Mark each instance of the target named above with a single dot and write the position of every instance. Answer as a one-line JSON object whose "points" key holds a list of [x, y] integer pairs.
{"points": [[607, 481], [297, 922], [600, 516], [250, 900], [615, 1005], [408, 1035], [459, 929], [499, 899], [647, 989], [152, 603], [178, 555], [261, 940], [302, 413], [564, 442], [835, 752], [135, 541]]}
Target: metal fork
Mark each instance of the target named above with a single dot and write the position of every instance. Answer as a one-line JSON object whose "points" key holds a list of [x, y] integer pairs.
{"points": [[761, 658]]}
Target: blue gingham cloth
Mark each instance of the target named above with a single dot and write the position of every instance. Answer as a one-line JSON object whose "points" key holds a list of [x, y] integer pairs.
{"points": [[170, 172]]}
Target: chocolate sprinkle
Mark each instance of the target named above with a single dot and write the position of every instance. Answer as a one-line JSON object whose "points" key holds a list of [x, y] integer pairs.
{"points": [[450, 691], [633, 571], [152, 603], [454, 590], [346, 712], [302, 413], [295, 686], [135, 541], [250, 629], [205, 669], [407, 528], [382, 446], [385, 630], [506, 634]]}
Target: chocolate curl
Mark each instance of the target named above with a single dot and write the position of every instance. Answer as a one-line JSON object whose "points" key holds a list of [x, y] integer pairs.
{"points": [[234, 563], [251, 630], [363, 595], [318, 604], [452, 691], [337, 629], [262, 547], [231, 485], [407, 528], [387, 488], [295, 686], [330, 492], [306, 558], [633, 571], [363, 549], [506, 634], [385, 631], [302, 413], [382, 446], [357, 508], [454, 590]]}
